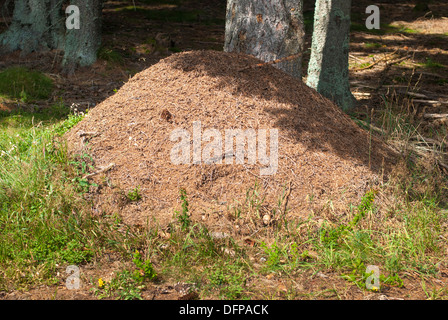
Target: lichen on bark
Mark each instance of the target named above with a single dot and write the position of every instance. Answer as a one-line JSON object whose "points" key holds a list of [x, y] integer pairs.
{"points": [[81, 45], [35, 27], [39, 25], [328, 66]]}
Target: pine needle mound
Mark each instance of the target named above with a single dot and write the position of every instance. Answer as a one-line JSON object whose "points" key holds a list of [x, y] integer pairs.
{"points": [[324, 158]]}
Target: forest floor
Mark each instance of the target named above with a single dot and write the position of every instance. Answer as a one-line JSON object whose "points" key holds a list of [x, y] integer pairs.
{"points": [[399, 75]]}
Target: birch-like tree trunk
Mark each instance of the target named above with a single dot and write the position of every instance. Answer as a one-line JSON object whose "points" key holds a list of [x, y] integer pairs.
{"points": [[328, 66], [268, 30]]}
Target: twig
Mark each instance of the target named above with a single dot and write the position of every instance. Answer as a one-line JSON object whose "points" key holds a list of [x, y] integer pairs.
{"points": [[435, 116], [103, 169], [376, 62], [429, 141], [435, 102], [398, 60], [86, 134], [287, 198], [359, 84], [414, 94], [371, 126], [431, 74], [354, 57], [443, 165]]}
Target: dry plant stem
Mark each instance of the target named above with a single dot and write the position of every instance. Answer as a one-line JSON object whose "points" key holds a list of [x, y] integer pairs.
{"points": [[287, 197], [103, 169], [432, 102], [376, 62]]}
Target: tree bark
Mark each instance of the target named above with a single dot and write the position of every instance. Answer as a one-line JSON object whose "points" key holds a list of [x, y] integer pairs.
{"points": [[81, 45], [35, 26], [328, 66], [39, 25], [268, 30]]}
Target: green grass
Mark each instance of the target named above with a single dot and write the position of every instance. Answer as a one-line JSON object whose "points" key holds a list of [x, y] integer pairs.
{"points": [[23, 84], [134, 194], [408, 30], [39, 215], [384, 28], [372, 45], [431, 64], [110, 55], [127, 284], [45, 221], [44, 218], [361, 27], [228, 279]]}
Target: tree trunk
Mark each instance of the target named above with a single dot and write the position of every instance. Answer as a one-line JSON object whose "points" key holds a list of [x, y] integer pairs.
{"points": [[39, 25], [81, 45], [268, 30], [328, 66], [35, 26]]}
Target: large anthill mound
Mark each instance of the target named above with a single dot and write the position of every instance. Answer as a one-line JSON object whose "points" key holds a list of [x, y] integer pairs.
{"points": [[323, 157]]}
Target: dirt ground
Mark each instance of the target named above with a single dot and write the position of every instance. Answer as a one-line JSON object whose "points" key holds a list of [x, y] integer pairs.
{"points": [[142, 43]]}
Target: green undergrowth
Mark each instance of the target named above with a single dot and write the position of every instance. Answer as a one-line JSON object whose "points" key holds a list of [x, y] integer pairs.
{"points": [[431, 64], [110, 55], [359, 26], [46, 221], [44, 216], [127, 284], [405, 238], [26, 85]]}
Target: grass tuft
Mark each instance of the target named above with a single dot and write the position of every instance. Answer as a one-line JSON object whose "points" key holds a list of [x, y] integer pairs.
{"points": [[25, 85]]}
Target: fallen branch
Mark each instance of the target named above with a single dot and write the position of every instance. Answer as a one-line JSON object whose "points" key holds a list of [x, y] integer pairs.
{"points": [[363, 94], [355, 58], [360, 84], [371, 126], [415, 94], [398, 60], [434, 102], [429, 141], [376, 62], [443, 165], [432, 74], [435, 116]]}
